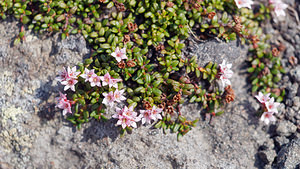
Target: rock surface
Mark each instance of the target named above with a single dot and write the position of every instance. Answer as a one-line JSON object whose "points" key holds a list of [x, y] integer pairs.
{"points": [[216, 51], [33, 134], [288, 156]]}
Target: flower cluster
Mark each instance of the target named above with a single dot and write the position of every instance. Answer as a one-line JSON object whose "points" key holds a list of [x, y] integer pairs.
{"points": [[96, 80], [127, 117], [244, 3], [269, 107], [110, 81], [279, 7], [112, 97], [225, 73], [64, 103], [68, 78], [148, 115]]}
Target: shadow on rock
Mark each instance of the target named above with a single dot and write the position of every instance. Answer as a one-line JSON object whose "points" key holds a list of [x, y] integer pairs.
{"points": [[260, 160], [101, 130], [46, 105]]}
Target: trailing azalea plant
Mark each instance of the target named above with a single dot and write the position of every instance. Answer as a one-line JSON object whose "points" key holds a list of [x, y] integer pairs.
{"points": [[137, 73]]}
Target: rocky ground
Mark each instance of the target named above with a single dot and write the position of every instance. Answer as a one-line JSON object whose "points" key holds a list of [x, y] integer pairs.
{"points": [[33, 134]]}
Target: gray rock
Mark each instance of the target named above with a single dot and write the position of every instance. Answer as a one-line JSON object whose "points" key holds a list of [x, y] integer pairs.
{"points": [[293, 89], [290, 113], [217, 51], [285, 128], [296, 101], [289, 156], [281, 140], [295, 73]]}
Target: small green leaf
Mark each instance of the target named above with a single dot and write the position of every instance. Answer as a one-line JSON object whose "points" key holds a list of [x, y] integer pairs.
{"points": [[38, 17]]}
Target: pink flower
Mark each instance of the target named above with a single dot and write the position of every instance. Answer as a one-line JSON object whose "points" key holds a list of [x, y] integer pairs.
{"points": [[88, 74], [272, 106], [156, 112], [95, 80], [62, 75], [119, 54], [68, 77], [146, 116], [127, 117], [72, 73], [70, 83], [108, 80], [262, 98], [225, 73], [244, 3], [64, 103], [62, 97], [267, 117], [108, 99], [115, 82], [118, 94]]}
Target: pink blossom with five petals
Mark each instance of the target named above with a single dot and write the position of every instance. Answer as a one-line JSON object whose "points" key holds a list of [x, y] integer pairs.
{"points": [[263, 98], [271, 105], [69, 84], [156, 113], [88, 74], [72, 73], [118, 94], [95, 80], [108, 99], [62, 75], [146, 116], [267, 117], [119, 54]]}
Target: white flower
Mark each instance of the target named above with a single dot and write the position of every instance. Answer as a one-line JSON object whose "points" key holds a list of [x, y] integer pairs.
{"points": [[64, 103], [225, 73], [225, 67], [279, 9]]}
